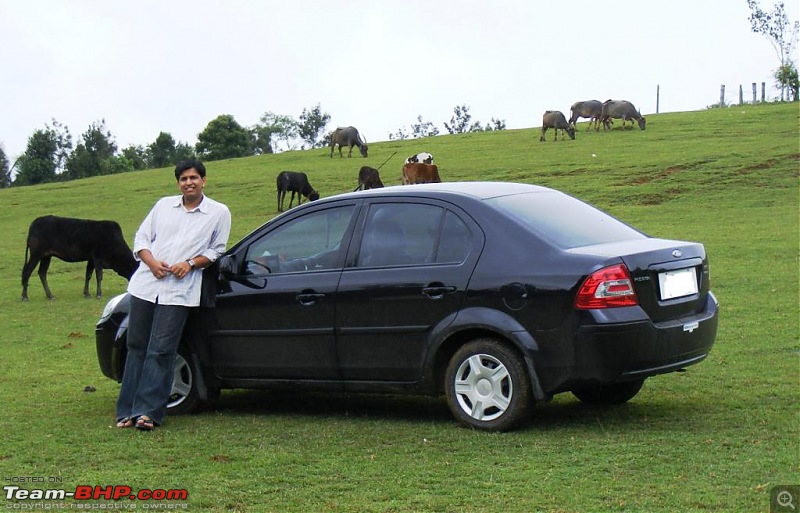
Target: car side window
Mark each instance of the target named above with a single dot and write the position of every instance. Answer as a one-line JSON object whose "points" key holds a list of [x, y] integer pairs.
{"points": [[455, 241], [399, 234], [308, 243]]}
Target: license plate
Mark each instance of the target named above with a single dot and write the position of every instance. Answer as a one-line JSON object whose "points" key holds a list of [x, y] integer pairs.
{"points": [[682, 282]]}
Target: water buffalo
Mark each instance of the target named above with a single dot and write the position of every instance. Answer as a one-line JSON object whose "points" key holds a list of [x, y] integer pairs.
{"points": [[295, 182], [555, 119], [99, 243], [620, 109], [368, 178], [591, 109], [348, 136]]}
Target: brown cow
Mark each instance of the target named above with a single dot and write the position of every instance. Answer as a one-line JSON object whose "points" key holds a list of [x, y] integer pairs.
{"points": [[420, 173]]}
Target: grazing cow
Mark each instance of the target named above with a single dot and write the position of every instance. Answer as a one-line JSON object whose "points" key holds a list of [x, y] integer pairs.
{"points": [[420, 173], [591, 109], [425, 158], [99, 243], [368, 178], [296, 183], [621, 109], [555, 119], [348, 136]]}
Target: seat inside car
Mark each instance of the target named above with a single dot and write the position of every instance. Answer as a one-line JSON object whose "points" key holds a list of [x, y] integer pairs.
{"points": [[384, 244]]}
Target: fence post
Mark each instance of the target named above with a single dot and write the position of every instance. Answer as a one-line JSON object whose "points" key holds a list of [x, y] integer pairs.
{"points": [[755, 91], [741, 95], [763, 92], [722, 95], [658, 95]]}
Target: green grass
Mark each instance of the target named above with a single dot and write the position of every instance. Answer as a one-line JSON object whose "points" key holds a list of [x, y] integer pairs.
{"points": [[715, 438]]}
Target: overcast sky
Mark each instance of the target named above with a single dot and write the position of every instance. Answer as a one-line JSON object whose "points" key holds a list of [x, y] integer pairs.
{"points": [[146, 66]]}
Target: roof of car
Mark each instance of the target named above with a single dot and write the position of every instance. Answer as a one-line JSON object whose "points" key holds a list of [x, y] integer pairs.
{"points": [[480, 190]]}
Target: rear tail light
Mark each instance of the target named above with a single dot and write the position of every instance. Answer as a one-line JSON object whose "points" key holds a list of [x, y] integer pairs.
{"points": [[609, 287]]}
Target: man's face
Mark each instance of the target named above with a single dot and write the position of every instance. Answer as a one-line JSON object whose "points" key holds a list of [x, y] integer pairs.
{"points": [[191, 184]]}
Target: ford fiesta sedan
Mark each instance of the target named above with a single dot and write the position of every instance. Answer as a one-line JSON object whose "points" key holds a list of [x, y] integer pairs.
{"points": [[496, 295]]}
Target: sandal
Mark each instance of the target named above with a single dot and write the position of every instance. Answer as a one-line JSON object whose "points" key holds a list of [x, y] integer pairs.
{"points": [[125, 422], [145, 423]]}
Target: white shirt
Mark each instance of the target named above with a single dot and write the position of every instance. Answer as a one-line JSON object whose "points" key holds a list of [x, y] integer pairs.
{"points": [[174, 234]]}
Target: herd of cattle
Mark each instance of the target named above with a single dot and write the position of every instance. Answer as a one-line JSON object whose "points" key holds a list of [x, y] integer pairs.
{"points": [[597, 112], [102, 246]]}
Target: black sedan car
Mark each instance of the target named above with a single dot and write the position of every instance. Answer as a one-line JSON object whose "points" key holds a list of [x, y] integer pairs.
{"points": [[497, 295]]}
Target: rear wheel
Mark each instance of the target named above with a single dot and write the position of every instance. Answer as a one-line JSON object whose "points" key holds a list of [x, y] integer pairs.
{"points": [[487, 386], [184, 397], [616, 393]]}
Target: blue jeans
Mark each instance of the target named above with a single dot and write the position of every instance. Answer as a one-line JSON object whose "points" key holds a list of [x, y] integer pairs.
{"points": [[154, 332]]}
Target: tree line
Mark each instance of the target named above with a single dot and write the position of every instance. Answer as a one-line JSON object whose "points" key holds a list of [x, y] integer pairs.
{"points": [[50, 155]]}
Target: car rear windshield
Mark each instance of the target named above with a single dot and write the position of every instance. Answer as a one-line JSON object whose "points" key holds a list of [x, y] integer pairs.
{"points": [[565, 221]]}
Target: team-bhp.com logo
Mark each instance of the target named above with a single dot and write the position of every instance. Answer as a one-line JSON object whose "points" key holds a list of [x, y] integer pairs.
{"points": [[95, 493]]}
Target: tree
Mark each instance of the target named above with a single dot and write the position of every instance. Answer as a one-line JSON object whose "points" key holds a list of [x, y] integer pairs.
{"points": [[782, 34], [495, 124], [161, 153], [5, 172], [459, 122], [93, 153], [423, 128], [399, 135], [312, 123], [224, 138], [137, 156], [183, 151], [45, 155], [273, 128], [786, 76]]}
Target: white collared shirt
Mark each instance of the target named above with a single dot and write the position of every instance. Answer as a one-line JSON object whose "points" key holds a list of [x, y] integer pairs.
{"points": [[174, 234]]}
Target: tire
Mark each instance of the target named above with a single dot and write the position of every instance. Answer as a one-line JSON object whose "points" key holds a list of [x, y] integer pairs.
{"points": [[615, 393], [184, 397], [487, 386]]}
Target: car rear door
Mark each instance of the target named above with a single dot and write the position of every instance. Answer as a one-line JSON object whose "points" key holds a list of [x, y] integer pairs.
{"points": [[406, 273]]}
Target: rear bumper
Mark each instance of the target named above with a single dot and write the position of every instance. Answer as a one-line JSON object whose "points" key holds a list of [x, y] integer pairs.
{"points": [[618, 347]]}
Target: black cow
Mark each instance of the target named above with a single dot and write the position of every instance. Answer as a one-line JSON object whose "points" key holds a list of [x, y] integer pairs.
{"points": [[555, 119], [99, 243], [295, 182], [348, 136], [368, 178]]}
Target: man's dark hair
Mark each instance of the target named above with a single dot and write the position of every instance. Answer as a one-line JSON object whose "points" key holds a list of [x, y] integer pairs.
{"points": [[183, 165]]}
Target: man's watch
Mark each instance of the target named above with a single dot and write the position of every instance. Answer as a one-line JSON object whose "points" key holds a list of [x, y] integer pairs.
{"points": [[190, 262]]}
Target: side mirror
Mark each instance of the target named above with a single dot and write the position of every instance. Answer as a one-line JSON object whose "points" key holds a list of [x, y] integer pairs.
{"points": [[227, 266]]}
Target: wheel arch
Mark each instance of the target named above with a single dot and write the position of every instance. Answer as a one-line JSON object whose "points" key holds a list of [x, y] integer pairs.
{"points": [[473, 323]]}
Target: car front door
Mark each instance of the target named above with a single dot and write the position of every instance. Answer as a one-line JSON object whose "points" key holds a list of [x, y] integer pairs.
{"points": [[274, 317], [407, 272]]}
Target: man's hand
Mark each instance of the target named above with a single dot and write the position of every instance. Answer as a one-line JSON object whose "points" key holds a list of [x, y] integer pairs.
{"points": [[180, 269], [159, 268]]}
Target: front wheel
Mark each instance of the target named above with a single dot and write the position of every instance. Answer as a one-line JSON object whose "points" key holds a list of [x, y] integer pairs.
{"points": [[615, 393], [487, 386], [184, 397]]}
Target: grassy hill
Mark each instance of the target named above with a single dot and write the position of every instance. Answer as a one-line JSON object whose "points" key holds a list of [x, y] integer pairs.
{"points": [[716, 438]]}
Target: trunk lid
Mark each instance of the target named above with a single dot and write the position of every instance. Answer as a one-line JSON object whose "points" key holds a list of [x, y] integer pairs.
{"points": [[671, 278]]}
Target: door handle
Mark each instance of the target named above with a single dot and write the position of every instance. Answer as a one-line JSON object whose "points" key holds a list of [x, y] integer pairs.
{"points": [[309, 298], [437, 290]]}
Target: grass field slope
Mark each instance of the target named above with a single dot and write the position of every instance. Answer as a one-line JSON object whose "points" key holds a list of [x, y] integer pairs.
{"points": [[717, 438]]}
